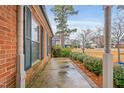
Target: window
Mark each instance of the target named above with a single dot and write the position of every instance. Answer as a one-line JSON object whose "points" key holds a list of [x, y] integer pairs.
{"points": [[49, 44], [31, 39], [42, 43], [27, 37], [35, 41]]}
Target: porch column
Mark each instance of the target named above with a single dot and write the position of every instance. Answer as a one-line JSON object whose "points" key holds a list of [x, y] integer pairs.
{"points": [[107, 56], [20, 56]]}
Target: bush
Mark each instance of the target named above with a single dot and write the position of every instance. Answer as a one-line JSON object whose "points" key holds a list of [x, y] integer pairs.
{"points": [[58, 51], [65, 52], [97, 66], [118, 76], [94, 65], [81, 57], [87, 59], [74, 55]]}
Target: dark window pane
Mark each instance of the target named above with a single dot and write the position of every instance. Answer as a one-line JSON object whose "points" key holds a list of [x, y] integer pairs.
{"points": [[35, 51], [27, 38], [42, 45], [27, 22], [27, 54], [50, 45]]}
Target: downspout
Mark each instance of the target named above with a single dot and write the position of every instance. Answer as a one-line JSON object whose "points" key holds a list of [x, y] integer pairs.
{"points": [[107, 56], [20, 83]]}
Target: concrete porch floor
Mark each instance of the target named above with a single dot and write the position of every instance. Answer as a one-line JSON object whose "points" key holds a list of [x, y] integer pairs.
{"points": [[60, 73]]}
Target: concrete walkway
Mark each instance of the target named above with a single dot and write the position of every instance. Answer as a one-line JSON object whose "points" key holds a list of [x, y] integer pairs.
{"points": [[60, 73]]}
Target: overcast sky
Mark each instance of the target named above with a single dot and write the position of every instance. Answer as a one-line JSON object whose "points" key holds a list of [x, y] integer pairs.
{"points": [[90, 16]]}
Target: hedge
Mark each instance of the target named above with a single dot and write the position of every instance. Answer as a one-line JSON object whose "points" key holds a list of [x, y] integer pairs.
{"points": [[58, 51], [92, 64], [95, 65], [118, 76], [74, 55], [65, 52], [81, 57]]}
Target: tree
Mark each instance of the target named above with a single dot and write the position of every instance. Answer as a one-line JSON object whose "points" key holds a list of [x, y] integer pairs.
{"points": [[75, 43], [85, 36], [118, 30], [98, 37], [62, 12]]}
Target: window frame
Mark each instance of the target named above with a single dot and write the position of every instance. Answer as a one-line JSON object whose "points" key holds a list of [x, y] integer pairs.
{"points": [[28, 27], [38, 41], [26, 8], [42, 42]]}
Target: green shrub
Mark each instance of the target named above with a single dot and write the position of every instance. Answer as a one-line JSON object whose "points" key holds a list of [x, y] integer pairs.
{"points": [[65, 52], [74, 55], [118, 76], [97, 66], [58, 51], [81, 57], [94, 65], [87, 59]]}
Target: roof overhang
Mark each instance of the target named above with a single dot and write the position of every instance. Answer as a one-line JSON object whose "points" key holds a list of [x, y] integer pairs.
{"points": [[43, 9]]}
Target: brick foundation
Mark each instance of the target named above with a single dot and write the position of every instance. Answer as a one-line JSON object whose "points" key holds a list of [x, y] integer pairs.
{"points": [[32, 73]]}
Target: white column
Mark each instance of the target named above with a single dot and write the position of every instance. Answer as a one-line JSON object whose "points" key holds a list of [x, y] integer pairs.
{"points": [[107, 56], [20, 56]]}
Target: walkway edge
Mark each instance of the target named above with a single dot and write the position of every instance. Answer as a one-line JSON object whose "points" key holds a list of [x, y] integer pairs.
{"points": [[92, 84]]}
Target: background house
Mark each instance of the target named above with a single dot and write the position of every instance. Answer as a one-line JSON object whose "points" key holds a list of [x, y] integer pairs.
{"points": [[55, 40]]}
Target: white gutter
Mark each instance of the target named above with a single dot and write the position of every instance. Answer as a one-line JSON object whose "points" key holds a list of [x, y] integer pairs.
{"points": [[20, 83]]}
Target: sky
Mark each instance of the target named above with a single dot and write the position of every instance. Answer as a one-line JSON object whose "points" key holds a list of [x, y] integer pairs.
{"points": [[88, 16]]}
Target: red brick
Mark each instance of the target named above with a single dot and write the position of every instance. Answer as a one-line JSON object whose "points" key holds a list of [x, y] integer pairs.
{"points": [[2, 51], [10, 75], [11, 66], [2, 71], [2, 61], [4, 74], [8, 45], [10, 81], [5, 65]]}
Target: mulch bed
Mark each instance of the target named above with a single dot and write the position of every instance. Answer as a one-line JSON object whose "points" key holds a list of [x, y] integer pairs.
{"points": [[97, 79]]}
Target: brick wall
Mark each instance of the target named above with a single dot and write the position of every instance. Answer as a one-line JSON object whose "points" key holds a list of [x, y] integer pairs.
{"points": [[34, 71], [8, 47]]}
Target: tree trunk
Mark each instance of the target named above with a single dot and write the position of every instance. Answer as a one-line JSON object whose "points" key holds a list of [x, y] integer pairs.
{"points": [[83, 50], [62, 39], [118, 51], [83, 47]]}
